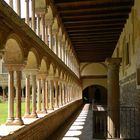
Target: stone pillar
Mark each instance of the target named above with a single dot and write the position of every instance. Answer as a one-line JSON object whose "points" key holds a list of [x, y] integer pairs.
{"points": [[18, 8], [56, 94], [11, 3], [46, 95], [59, 47], [43, 96], [33, 114], [56, 41], [33, 15], [27, 12], [59, 94], [27, 98], [18, 120], [46, 37], [113, 97], [62, 94], [38, 95], [50, 33], [10, 97], [38, 25], [43, 26], [51, 94]]}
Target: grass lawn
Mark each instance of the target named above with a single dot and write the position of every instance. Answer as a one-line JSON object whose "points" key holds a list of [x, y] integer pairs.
{"points": [[4, 111]]}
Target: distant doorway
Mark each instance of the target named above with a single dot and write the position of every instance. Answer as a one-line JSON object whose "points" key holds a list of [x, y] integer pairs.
{"points": [[95, 93]]}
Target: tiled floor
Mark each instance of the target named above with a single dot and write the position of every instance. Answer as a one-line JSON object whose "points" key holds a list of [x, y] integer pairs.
{"points": [[79, 126]]}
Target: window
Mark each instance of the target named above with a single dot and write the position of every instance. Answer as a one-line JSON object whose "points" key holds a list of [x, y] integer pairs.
{"points": [[127, 54]]}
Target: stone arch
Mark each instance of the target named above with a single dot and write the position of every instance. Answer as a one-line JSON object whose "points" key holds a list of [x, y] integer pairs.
{"points": [[99, 66], [57, 72], [51, 71], [43, 66], [32, 60], [95, 93], [14, 50], [49, 15]]}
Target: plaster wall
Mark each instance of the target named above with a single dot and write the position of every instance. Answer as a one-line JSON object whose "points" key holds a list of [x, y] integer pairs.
{"points": [[128, 48]]}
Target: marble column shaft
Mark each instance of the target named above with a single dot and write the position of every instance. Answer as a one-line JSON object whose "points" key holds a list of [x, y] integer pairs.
{"points": [[33, 114], [33, 15], [10, 97], [11, 3], [18, 7], [18, 119], [27, 98], [38, 95], [27, 12], [43, 96]]}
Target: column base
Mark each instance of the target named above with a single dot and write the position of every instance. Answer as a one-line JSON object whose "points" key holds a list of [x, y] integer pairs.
{"points": [[44, 111], [9, 121], [33, 115], [51, 108], [26, 116], [18, 121]]}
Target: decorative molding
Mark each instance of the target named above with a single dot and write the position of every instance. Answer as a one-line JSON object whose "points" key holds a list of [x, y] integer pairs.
{"points": [[94, 77]]}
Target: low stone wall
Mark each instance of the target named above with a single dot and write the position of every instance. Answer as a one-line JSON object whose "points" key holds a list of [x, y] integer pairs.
{"points": [[44, 127], [130, 99]]}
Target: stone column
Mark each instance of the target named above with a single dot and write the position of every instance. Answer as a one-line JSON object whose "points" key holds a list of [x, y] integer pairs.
{"points": [[18, 120], [46, 37], [113, 97], [56, 94], [51, 94], [43, 96], [33, 15], [62, 93], [43, 26], [50, 33], [38, 25], [38, 95], [55, 31], [59, 47], [10, 97], [27, 12], [18, 8], [11, 3], [33, 114], [27, 98], [46, 96], [59, 94]]}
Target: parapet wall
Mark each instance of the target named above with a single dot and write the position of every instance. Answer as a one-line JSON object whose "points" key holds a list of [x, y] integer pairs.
{"points": [[44, 127]]}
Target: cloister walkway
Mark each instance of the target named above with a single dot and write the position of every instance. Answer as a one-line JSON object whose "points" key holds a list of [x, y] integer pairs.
{"points": [[79, 127]]}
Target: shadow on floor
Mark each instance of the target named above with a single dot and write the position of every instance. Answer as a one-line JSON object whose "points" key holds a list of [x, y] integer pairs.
{"points": [[78, 127]]}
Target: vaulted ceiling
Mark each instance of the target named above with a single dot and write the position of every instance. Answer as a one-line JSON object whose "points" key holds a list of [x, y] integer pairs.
{"points": [[93, 26]]}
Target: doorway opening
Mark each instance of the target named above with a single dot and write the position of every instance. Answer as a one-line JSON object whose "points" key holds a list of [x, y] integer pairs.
{"points": [[96, 94]]}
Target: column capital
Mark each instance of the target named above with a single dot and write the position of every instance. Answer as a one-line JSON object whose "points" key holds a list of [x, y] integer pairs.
{"points": [[49, 22], [15, 67], [42, 75], [31, 71], [113, 61]]}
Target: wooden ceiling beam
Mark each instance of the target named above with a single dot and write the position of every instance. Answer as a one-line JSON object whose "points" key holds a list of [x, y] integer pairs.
{"points": [[94, 30], [84, 10], [94, 33], [95, 21], [94, 15], [96, 36]]}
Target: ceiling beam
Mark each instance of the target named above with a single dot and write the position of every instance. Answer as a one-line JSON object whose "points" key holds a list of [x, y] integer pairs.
{"points": [[84, 10]]}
